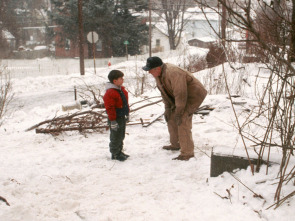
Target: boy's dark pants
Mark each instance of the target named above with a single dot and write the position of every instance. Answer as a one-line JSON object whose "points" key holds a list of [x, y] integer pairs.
{"points": [[117, 137]]}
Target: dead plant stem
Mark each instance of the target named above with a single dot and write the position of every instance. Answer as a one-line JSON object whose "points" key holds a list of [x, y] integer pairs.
{"points": [[237, 120]]}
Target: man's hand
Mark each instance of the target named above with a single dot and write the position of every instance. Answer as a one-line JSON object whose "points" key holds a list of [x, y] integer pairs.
{"points": [[167, 114], [114, 125], [178, 119]]}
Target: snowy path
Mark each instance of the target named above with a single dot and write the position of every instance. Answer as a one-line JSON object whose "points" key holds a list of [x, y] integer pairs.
{"points": [[27, 102]]}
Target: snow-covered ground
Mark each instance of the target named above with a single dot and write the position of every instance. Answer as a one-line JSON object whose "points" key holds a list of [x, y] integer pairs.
{"points": [[72, 177]]}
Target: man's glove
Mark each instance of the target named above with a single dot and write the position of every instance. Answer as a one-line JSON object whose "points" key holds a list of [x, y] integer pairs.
{"points": [[167, 114], [114, 125], [127, 118], [178, 120]]}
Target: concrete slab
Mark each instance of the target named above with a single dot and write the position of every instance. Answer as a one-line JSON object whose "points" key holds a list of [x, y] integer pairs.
{"points": [[227, 163], [224, 160]]}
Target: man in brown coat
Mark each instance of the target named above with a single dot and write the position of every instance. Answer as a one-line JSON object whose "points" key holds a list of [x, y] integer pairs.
{"points": [[182, 95]]}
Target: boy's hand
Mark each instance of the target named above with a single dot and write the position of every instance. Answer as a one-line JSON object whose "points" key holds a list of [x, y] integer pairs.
{"points": [[114, 125]]}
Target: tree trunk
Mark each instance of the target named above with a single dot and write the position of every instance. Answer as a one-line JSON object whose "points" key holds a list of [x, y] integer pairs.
{"points": [[223, 24], [81, 37], [292, 51]]}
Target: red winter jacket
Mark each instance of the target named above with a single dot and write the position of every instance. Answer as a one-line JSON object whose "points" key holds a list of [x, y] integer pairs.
{"points": [[112, 100]]}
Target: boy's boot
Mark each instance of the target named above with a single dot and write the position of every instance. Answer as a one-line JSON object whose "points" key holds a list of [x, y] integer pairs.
{"points": [[119, 157]]}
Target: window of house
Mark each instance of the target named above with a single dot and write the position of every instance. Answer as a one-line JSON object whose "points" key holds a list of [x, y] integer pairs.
{"points": [[158, 43], [99, 45], [67, 44]]}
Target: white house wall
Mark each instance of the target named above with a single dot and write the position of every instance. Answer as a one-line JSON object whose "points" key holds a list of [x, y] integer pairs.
{"points": [[164, 41], [201, 29]]}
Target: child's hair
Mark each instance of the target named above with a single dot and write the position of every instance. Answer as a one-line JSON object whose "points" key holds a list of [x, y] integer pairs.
{"points": [[115, 74]]}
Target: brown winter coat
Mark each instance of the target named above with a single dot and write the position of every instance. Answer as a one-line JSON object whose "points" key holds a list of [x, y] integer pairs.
{"points": [[183, 89]]}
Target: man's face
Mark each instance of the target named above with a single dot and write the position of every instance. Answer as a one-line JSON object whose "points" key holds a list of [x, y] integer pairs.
{"points": [[156, 72]]}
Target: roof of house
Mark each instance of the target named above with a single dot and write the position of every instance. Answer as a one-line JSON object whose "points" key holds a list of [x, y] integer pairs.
{"points": [[7, 35], [196, 13], [203, 39]]}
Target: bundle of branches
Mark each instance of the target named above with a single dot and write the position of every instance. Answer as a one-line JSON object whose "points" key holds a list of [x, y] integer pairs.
{"points": [[94, 120], [78, 121]]}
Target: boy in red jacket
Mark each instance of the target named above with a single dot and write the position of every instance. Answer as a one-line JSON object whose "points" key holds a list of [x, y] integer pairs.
{"points": [[117, 107]]}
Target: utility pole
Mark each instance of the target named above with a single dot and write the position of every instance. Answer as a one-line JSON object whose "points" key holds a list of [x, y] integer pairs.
{"points": [[150, 29], [81, 37], [93, 47]]}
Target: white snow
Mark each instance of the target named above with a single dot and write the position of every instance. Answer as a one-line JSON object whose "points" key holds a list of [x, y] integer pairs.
{"points": [[72, 177], [40, 47]]}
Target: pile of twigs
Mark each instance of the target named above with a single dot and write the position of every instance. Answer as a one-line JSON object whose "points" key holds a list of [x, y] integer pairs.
{"points": [[95, 120], [86, 120]]}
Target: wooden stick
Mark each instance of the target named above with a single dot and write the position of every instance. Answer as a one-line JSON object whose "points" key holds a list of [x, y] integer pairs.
{"points": [[255, 194], [4, 200], [145, 99], [281, 201], [58, 130], [146, 105], [153, 120]]}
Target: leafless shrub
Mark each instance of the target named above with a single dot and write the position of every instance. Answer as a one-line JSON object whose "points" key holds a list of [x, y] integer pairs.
{"points": [[215, 56], [6, 94], [214, 81], [91, 94], [196, 63], [270, 34]]}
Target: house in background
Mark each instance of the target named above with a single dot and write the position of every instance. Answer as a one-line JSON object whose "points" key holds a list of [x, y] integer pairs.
{"points": [[67, 48], [32, 36], [197, 31], [198, 24], [204, 42], [159, 41], [159, 34], [9, 38], [8, 43]]}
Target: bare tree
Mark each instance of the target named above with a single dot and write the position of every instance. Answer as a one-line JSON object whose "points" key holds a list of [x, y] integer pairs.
{"points": [[293, 33], [172, 11]]}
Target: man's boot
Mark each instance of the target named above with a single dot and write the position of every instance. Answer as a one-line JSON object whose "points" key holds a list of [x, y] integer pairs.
{"points": [[170, 147], [183, 157]]}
